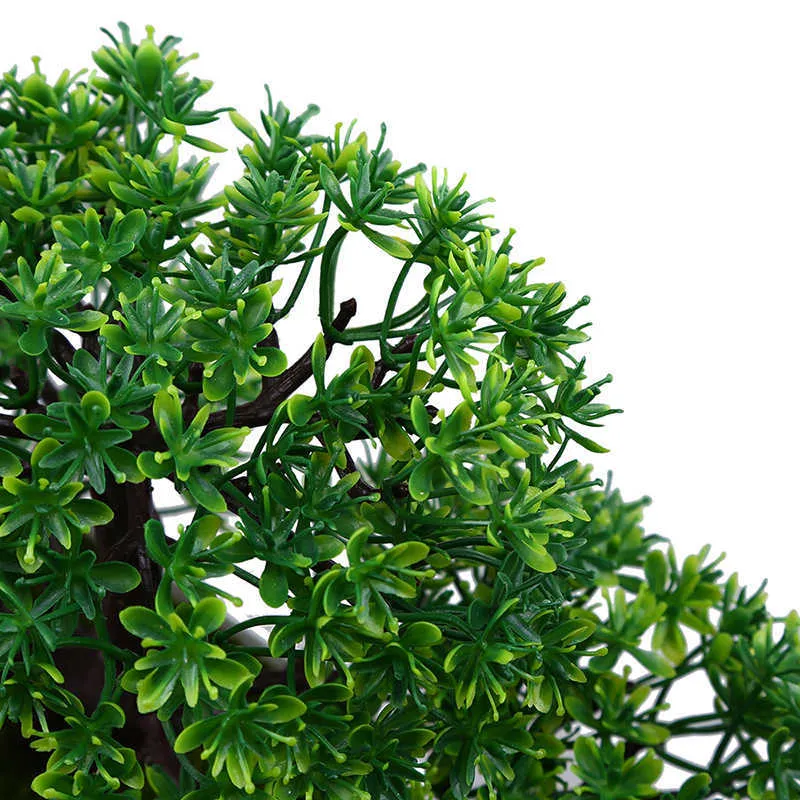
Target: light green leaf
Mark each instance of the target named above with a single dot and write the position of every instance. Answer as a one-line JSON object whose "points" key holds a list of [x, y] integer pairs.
{"points": [[392, 245]]}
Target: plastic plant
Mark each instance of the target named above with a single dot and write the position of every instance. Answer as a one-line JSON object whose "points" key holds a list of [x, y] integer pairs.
{"points": [[452, 605]]}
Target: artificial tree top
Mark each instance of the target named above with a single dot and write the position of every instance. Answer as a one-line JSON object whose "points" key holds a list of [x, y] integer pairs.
{"points": [[454, 614]]}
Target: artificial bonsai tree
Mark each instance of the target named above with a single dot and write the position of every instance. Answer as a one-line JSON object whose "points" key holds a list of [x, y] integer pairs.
{"points": [[452, 607]]}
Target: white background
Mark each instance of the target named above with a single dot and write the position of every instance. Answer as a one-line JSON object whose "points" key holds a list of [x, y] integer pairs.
{"points": [[650, 151]]}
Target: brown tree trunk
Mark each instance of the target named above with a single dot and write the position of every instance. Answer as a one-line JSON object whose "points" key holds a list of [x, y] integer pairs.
{"points": [[123, 540]]}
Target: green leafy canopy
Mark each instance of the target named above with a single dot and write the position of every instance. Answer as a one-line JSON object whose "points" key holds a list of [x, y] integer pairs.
{"points": [[449, 604]]}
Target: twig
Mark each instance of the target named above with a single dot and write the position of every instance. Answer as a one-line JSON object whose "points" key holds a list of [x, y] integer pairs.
{"points": [[405, 345], [360, 489], [273, 391], [276, 390]]}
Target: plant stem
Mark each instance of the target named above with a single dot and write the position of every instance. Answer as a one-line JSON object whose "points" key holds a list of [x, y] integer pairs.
{"points": [[253, 622], [246, 576], [275, 390], [182, 759], [678, 762], [98, 644]]}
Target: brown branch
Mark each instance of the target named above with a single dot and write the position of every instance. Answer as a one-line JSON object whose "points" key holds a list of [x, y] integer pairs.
{"points": [[275, 390], [192, 402], [360, 489], [123, 540], [405, 345], [272, 340]]}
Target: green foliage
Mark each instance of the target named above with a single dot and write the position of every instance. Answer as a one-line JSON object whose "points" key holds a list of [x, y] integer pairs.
{"points": [[463, 612], [241, 739], [87, 747], [40, 299], [179, 661], [608, 774], [189, 454]]}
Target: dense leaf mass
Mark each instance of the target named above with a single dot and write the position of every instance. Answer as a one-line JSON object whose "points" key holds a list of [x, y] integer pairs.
{"points": [[453, 606]]}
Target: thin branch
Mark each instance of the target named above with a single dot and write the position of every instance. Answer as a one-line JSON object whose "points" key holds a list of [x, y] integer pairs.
{"points": [[275, 390], [405, 345], [360, 489], [363, 489], [192, 402]]}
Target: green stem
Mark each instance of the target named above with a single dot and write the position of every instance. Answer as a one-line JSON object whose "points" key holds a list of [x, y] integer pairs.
{"points": [[291, 682], [679, 762], [665, 684], [700, 731], [169, 510], [720, 751], [235, 472], [241, 497], [246, 576], [477, 556], [182, 759], [327, 281], [57, 370], [738, 774], [445, 523], [356, 335], [307, 254], [109, 667], [464, 541], [255, 651], [61, 612], [698, 718], [413, 361], [253, 622], [386, 354], [746, 748], [374, 329], [97, 644], [434, 617], [307, 263]]}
